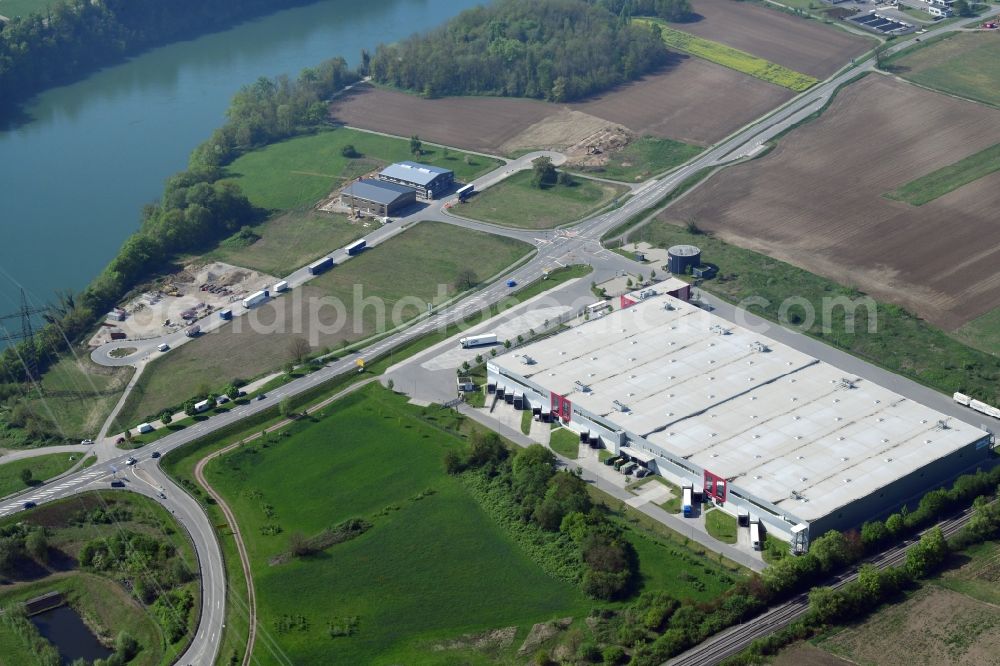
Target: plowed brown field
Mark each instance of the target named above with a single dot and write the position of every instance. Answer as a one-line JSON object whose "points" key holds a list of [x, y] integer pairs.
{"points": [[803, 45], [695, 101], [473, 123], [816, 201]]}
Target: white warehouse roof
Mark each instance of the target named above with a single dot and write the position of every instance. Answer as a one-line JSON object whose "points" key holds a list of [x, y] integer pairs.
{"points": [[790, 429]]}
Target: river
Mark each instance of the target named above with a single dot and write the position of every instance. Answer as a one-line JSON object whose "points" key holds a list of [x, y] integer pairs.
{"points": [[75, 176]]}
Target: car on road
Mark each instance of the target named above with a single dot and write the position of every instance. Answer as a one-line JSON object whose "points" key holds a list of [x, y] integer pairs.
{"points": [[162, 495], [130, 461], [87, 442], [155, 454], [163, 347], [511, 283], [30, 505], [261, 396], [117, 483]]}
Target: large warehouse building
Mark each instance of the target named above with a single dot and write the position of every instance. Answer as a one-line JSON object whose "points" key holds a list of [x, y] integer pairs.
{"points": [[375, 197], [762, 428], [428, 181]]}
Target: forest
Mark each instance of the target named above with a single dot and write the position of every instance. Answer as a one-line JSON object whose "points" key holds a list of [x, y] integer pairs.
{"points": [[75, 37], [559, 50]]}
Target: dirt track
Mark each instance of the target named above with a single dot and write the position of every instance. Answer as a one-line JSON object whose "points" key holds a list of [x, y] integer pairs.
{"points": [[816, 201], [803, 45]]}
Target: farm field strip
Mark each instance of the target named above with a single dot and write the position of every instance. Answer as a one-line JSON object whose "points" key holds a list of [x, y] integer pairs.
{"points": [[740, 61], [804, 45], [942, 181]]}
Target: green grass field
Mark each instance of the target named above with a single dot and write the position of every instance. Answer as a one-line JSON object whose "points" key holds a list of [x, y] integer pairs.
{"points": [[901, 342], [301, 171], [290, 241], [432, 567], [79, 396], [983, 332], [403, 274], [727, 56], [42, 468], [419, 266], [644, 158], [565, 442], [516, 203], [942, 181], [721, 525], [963, 64], [103, 600], [977, 577]]}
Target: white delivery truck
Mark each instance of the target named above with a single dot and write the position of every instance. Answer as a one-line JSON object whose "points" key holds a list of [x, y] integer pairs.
{"points": [[755, 533], [478, 340], [281, 286], [255, 299]]}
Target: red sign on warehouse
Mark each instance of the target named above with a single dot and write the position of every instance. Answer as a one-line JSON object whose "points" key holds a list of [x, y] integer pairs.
{"points": [[715, 486]]}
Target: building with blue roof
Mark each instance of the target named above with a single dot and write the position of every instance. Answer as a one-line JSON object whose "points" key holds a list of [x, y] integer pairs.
{"points": [[379, 198], [428, 181]]}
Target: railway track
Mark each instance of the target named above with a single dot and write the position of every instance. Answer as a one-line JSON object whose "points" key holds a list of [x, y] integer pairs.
{"points": [[736, 639]]}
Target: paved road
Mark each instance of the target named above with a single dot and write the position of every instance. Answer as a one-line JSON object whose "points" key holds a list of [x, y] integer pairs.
{"points": [[582, 243]]}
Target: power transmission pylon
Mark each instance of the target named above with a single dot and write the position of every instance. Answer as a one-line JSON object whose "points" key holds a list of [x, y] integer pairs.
{"points": [[27, 335]]}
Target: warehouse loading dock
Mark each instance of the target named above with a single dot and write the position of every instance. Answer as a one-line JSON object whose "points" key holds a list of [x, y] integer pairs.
{"points": [[757, 426]]}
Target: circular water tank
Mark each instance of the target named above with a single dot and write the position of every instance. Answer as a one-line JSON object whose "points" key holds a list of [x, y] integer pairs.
{"points": [[681, 258]]}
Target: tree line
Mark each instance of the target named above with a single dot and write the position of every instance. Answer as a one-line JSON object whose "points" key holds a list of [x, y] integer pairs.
{"points": [[71, 38], [559, 50]]}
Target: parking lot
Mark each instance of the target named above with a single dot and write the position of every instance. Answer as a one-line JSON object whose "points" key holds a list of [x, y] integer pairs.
{"points": [[885, 22]]}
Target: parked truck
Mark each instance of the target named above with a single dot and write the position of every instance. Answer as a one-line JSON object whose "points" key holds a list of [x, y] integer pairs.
{"points": [[320, 265], [687, 505], [465, 192], [356, 247], [281, 286], [755, 534], [978, 405], [256, 298], [478, 340], [193, 331], [143, 428], [202, 406], [226, 314]]}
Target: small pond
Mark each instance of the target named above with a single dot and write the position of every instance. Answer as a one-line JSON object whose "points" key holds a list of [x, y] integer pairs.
{"points": [[65, 629]]}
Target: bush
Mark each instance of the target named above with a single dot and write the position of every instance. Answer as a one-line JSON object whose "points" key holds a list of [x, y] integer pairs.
{"points": [[613, 655]]}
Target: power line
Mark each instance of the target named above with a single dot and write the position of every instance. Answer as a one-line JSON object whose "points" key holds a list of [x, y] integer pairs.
{"points": [[27, 335]]}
